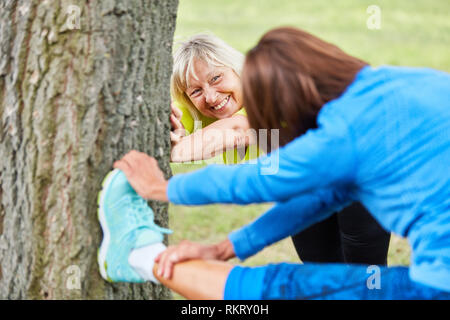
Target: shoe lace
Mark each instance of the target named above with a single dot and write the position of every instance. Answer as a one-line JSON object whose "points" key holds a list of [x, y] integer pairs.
{"points": [[141, 215]]}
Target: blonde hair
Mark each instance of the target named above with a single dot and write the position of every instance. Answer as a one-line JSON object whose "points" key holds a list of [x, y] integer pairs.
{"points": [[208, 48]]}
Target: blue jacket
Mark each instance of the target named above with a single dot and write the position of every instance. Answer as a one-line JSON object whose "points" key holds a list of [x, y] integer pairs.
{"points": [[384, 142]]}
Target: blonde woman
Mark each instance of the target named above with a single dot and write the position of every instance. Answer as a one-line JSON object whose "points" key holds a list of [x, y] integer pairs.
{"points": [[208, 117]]}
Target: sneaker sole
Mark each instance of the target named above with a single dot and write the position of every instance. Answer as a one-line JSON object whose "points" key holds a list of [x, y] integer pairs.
{"points": [[101, 255]]}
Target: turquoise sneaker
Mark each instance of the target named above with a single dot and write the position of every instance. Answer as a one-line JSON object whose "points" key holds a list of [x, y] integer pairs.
{"points": [[127, 224]]}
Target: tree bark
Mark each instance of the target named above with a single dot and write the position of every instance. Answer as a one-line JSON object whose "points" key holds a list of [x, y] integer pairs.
{"points": [[82, 82]]}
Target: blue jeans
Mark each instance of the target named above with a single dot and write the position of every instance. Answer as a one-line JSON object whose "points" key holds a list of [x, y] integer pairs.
{"points": [[326, 281]]}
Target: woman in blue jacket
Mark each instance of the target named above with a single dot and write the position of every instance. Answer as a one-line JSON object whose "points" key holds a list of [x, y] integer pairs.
{"points": [[350, 132]]}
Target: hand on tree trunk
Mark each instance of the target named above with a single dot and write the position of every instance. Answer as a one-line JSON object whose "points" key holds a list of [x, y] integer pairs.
{"points": [[144, 175]]}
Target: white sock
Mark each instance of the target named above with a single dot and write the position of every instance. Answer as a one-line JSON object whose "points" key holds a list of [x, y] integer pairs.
{"points": [[143, 259]]}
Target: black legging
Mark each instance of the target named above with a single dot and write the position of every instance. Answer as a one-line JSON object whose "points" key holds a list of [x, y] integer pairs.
{"points": [[349, 236]]}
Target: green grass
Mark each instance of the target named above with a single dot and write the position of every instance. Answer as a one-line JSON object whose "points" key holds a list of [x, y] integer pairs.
{"points": [[413, 33]]}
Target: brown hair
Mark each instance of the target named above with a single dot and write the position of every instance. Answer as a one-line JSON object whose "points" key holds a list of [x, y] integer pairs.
{"points": [[289, 76]]}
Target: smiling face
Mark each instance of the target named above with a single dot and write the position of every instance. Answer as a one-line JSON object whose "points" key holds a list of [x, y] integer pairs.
{"points": [[215, 91]]}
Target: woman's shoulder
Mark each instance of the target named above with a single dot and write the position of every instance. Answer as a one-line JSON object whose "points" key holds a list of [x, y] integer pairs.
{"points": [[241, 112], [188, 120]]}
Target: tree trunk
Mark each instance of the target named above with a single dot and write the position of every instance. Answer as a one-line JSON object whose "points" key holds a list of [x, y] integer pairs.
{"points": [[81, 84]]}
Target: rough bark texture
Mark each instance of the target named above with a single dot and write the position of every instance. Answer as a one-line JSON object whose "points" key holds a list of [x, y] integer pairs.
{"points": [[72, 101]]}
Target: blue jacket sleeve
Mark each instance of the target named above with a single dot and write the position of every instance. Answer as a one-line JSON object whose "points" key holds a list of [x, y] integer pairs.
{"points": [[321, 158], [286, 219]]}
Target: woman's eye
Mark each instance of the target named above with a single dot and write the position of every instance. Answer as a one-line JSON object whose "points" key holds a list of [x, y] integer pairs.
{"points": [[193, 93], [214, 79]]}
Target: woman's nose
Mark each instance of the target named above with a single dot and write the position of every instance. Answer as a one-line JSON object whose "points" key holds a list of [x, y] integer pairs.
{"points": [[210, 96]]}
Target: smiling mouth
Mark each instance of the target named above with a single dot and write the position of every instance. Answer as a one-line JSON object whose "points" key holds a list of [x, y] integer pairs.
{"points": [[222, 104]]}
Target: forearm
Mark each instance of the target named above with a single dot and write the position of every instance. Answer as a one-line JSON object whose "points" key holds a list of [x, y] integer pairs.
{"points": [[313, 161], [213, 184], [197, 279], [202, 146], [216, 138], [285, 219], [241, 184]]}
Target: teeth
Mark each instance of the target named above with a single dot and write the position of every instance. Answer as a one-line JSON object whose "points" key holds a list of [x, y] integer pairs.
{"points": [[224, 102]]}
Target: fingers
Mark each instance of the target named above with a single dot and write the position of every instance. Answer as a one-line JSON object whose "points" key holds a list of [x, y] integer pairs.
{"points": [[122, 165], [134, 161], [130, 159], [144, 175], [127, 162], [177, 128], [174, 137], [176, 111], [176, 123], [166, 260]]}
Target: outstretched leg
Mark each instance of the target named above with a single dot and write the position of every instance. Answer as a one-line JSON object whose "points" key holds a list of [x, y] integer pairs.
{"points": [[198, 279], [333, 281]]}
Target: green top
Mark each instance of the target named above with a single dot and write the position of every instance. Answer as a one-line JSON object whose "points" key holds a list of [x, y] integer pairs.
{"points": [[228, 157]]}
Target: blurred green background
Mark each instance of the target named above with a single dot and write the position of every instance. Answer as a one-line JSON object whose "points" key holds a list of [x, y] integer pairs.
{"points": [[412, 33]]}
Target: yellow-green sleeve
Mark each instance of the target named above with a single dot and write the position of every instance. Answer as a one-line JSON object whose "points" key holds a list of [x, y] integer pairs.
{"points": [[186, 119], [242, 112]]}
